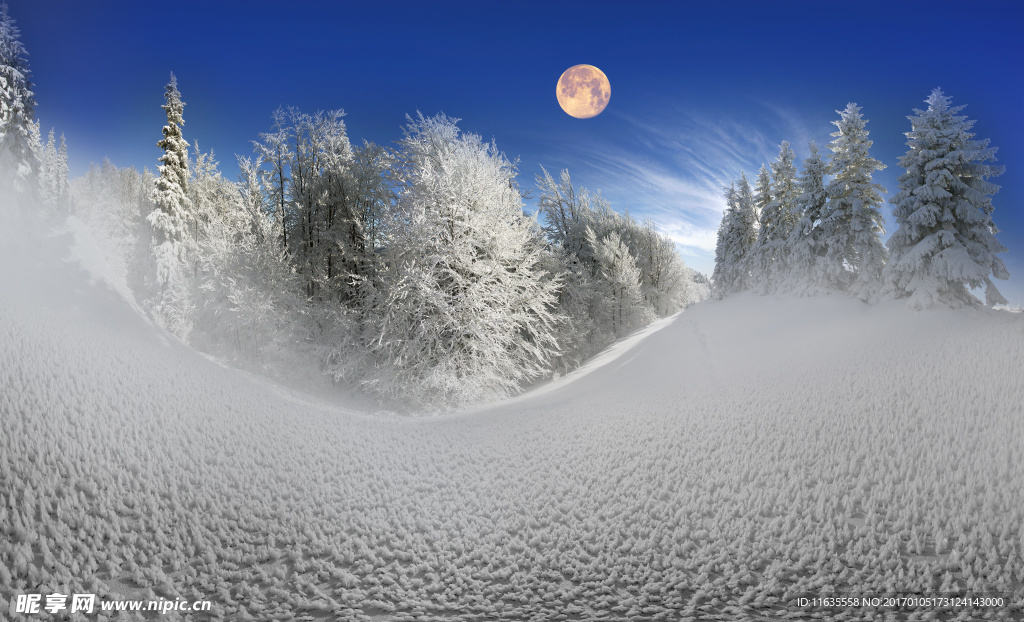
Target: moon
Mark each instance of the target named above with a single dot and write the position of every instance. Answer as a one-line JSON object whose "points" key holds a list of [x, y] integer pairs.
{"points": [[583, 91]]}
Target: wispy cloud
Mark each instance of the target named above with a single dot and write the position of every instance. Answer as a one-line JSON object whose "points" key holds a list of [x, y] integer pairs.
{"points": [[675, 172]]}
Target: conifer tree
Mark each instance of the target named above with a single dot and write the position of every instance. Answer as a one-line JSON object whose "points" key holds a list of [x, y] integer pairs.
{"points": [[759, 254], [745, 225], [805, 240], [945, 241], [778, 221], [48, 172], [722, 277], [63, 183], [853, 224], [170, 217], [736, 238], [19, 162]]}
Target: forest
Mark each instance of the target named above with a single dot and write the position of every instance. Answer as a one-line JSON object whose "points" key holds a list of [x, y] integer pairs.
{"points": [[821, 232], [413, 271], [416, 273]]}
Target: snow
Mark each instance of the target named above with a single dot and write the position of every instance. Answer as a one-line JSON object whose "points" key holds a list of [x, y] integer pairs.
{"points": [[734, 457]]}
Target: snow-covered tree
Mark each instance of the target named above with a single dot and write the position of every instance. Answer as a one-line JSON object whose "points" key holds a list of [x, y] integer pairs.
{"points": [[19, 162], [777, 222], [945, 241], [586, 299], [62, 196], [736, 239], [564, 212], [621, 281], [666, 282], [328, 199], [758, 257], [746, 225], [805, 272], [170, 219], [250, 308], [467, 306], [114, 204], [724, 277], [701, 289], [324, 233], [373, 168], [274, 152], [853, 225], [729, 249], [48, 188]]}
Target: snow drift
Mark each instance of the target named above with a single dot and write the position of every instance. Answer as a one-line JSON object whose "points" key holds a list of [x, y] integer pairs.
{"points": [[752, 451]]}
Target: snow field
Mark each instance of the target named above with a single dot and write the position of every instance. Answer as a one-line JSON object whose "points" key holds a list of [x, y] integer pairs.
{"points": [[752, 451]]}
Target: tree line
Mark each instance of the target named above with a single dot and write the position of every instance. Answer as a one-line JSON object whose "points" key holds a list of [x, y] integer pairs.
{"points": [[412, 271], [821, 231]]}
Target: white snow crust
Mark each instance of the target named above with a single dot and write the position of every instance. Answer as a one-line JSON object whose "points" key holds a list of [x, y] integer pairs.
{"points": [[750, 451]]}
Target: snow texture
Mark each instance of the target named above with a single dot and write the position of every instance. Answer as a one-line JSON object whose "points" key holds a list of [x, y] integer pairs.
{"points": [[750, 451]]}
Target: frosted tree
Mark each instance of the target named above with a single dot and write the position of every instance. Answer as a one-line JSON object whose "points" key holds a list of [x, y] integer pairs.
{"points": [[853, 225], [251, 309], [736, 239], [467, 306], [48, 187], [373, 168], [722, 277], [778, 220], [621, 278], [274, 152], [666, 282], [564, 212], [758, 260], [587, 299], [19, 162], [170, 219], [324, 232], [745, 234], [62, 181], [945, 238], [805, 240]]}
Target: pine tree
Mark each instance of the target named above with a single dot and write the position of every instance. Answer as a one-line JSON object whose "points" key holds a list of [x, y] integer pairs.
{"points": [[853, 224], [19, 162], [170, 218], [778, 220], [723, 276], [759, 259], [736, 240], [745, 233], [805, 240], [48, 173], [945, 241], [63, 194]]}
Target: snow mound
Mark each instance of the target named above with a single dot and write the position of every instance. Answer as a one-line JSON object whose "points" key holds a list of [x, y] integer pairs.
{"points": [[749, 452]]}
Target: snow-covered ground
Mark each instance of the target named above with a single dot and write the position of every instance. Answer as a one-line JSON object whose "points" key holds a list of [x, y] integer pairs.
{"points": [[747, 453]]}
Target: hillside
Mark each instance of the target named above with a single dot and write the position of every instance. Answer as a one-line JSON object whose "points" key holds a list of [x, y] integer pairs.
{"points": [[746, 453]]}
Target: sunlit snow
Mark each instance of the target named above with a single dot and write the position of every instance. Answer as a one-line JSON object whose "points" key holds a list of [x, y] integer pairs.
{"points": [[743, 454]]}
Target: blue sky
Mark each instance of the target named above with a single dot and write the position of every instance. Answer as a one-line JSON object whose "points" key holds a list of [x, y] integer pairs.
{"points": [[700, 91]]}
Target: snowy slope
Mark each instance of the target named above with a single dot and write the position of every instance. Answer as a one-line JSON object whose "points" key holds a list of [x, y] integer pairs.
{"points": [[749, 452]]}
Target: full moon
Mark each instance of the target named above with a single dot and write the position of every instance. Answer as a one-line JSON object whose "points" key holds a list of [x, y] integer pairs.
{"points": [[583, 91]]}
